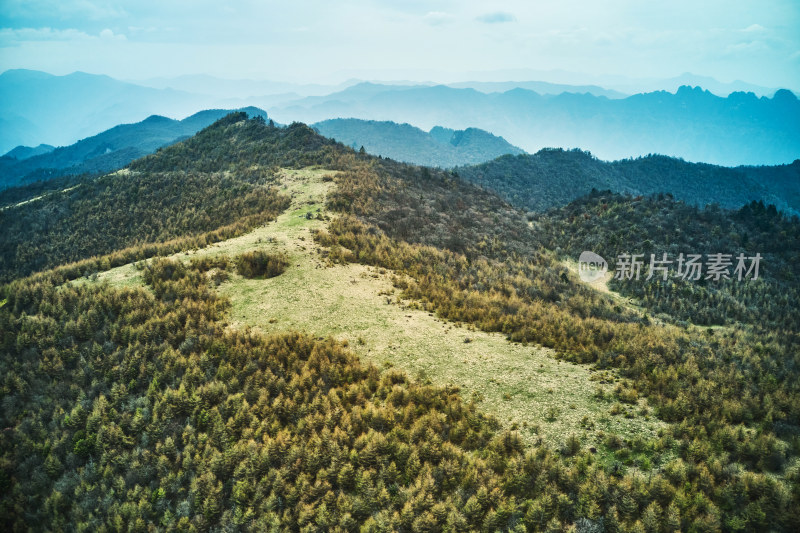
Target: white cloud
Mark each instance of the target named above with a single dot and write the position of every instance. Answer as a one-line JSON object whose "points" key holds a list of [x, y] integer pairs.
{"points": [[313, 39], [64, 9], [754, 28], [437, 18], [18, 35], [747, 47], [108, 35], [497, 17]]}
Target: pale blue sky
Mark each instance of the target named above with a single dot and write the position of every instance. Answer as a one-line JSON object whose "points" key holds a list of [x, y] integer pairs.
{"points": [[444, 40]]}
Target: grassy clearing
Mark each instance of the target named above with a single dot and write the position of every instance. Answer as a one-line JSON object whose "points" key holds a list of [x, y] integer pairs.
{"points": [[525, 387], [303, 186], [601, 285]]}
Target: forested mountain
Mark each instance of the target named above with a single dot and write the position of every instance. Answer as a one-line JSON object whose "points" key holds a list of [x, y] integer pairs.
{"points": [[175, 197], [679, 213], [739, 129], [554, 177], [441, 147], [24, 152], [142, 407], [106, 151], [611, 225]]}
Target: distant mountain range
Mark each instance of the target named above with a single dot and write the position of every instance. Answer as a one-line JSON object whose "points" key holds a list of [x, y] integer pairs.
{"points": [[118, 146], [548, 178], [24, 152], [106, 151], [692, 124], [555, 177], [240, 88], [634, 86], [36, 107], [440, 147], [541, 87]]}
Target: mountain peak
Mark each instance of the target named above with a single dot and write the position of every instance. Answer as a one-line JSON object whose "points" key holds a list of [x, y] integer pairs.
{"points": [[22, 74], [784, 95], [109, 150], [156, 119], [439, 147], [688, 90]]}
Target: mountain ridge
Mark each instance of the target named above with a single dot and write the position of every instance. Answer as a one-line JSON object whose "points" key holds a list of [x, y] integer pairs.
{"points": [[439, 147], [24, 152], [692, 123], [110, 149], [740, 128], [554, 177]]}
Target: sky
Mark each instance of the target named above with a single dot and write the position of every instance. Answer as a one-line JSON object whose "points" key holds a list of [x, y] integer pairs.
{"points": [[324, 41]]}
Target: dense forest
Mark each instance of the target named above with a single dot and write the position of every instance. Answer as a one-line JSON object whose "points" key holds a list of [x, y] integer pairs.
{"points": [[554, 177], [612, 225], [727, 409], [138, 408]]}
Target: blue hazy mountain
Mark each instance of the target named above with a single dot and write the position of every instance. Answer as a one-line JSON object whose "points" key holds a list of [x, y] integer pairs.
{"points": [[36, 107], [109, 150], [440, 147], [541, 87], [694, 124], [25, 152], [708, 83], [691, 123]]}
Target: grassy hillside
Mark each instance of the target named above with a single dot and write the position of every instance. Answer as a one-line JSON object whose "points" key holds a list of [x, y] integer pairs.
{"points": [[692, 377], [176, 393], [169, 420], [441, 147], [154, 201], [555, 177], [359, 305]]}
